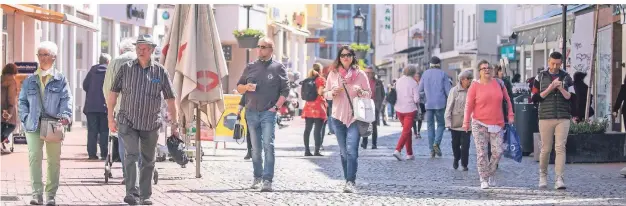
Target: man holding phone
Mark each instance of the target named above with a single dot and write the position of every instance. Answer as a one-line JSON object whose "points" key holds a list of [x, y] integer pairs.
{"points": [[552, 89]]}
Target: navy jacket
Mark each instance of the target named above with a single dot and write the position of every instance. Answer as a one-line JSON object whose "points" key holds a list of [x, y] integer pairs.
{"points": [[94, 100]]}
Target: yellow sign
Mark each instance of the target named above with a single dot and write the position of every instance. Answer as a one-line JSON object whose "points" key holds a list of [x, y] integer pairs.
{"points": [[225, 126]]}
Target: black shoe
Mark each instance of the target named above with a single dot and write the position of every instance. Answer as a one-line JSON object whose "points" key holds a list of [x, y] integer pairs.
{"points": [[248, 156], [385, 123], [455, 164], [93, 158], [318, 154], [145, 202], [374, 147], [131, 200], [307, 154], [103, 158], [465, 168]]}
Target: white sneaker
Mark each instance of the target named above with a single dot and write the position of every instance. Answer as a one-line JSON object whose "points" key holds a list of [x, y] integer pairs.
{"points": [[484, 185], [543, 181], [559, 184], [623, 172], [256, 183], [410, 157], [398, 155], [492, 181], [349, 188]]}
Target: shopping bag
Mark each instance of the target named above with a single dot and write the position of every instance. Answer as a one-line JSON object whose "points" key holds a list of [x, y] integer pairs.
{"points": [[513, 149], [176, 148]]}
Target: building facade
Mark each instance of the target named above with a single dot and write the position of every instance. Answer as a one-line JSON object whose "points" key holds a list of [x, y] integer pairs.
{"points": [[231, 17], [342, 31], [474, 37], [73, 27]]}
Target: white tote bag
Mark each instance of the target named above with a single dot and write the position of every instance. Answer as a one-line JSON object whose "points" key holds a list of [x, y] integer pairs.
{"points": [[364, 109]]}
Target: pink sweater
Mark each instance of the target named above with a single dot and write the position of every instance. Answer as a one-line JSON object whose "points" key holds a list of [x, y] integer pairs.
{"points": [[341, 106], [484, 103]]}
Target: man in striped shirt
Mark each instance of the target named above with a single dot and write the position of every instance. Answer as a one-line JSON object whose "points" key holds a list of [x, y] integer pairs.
{"points": [[144, 83]]}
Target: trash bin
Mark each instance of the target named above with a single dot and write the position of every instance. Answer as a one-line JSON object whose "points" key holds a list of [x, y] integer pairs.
{"points": [[526, 123]]}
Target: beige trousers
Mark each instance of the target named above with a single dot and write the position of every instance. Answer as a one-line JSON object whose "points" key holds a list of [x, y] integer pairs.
{"points": [[553, 131]]}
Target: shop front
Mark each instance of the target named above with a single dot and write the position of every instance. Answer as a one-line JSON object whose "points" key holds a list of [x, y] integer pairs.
{"points": [[120, 21]]}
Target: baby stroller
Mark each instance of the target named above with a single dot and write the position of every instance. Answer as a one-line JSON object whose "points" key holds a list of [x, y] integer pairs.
{"points": [[108, 164]]}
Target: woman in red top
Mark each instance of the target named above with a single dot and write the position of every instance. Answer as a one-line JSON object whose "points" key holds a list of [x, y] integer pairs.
{"points": [[314, 113]]}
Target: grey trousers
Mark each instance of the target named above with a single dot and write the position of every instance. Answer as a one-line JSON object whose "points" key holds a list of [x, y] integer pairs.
{"points": [[136, 142]]}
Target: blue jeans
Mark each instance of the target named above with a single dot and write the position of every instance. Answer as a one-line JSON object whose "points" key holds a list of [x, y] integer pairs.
{"points": [[431, 115], [262, 127], [348, 139]]}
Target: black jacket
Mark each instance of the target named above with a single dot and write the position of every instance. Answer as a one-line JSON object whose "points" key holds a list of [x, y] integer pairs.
{"points": [[621, 100]]}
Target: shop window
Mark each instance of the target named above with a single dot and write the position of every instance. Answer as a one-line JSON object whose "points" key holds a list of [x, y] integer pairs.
{"points": [[126, 30], [105, 39]]}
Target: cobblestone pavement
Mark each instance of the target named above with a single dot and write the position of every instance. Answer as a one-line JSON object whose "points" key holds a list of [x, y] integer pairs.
{"points": [[381, 180]]}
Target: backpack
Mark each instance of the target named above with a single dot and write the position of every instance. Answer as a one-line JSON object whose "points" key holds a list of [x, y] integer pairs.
{"points": [[309, 89], [392, 97]]}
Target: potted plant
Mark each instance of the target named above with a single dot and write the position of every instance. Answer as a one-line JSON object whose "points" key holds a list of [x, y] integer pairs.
{"points": [[360, 50], [588, 142], [248, 38]]}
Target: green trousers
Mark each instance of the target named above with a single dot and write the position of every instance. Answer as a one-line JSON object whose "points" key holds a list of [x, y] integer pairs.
{"points": [[35, 156]]}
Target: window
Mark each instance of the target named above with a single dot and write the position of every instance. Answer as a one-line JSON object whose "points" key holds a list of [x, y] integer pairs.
{"points": [[365, 8], [324, 52], [469, 29], [343, 22], [126, 30], [4, 22], [285, 44], [474, 27], [462, 26], [105, 39], [345, 7], [458, 27], [396, 18]]}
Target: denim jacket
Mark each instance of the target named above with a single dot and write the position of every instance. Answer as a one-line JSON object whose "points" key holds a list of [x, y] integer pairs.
{"points": [[57, 100]]}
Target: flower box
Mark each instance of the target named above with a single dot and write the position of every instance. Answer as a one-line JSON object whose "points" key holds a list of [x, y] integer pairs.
{"points": [[589, 148]]}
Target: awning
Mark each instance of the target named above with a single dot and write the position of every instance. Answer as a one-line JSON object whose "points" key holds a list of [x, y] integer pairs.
{"points": [[407, 50], [42, 14], [291, 29], [384, 64]]}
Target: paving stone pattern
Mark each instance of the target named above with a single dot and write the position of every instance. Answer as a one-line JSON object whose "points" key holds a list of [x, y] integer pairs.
{"points": [[381, 180]]}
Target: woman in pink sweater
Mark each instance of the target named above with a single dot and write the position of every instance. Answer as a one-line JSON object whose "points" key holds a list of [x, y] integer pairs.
{"points": [[345, 72], [484, 106]]}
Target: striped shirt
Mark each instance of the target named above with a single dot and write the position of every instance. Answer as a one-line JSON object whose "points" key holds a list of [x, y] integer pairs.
{"points": [[143, 90]]}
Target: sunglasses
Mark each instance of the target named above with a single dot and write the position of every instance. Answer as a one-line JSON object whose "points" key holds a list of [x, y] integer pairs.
{"points": [[345, 55], [263, 47], [44, 55]]}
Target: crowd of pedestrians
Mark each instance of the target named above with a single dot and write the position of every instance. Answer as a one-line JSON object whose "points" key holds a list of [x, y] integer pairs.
{"points": [[134, 87]]}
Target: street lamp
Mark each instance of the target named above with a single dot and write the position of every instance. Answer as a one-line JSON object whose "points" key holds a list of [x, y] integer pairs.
{"points": [[247, 6], [359, 21]]}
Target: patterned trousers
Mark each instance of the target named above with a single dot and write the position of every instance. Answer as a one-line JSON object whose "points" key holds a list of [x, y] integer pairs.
{"points": [[487, 167]]}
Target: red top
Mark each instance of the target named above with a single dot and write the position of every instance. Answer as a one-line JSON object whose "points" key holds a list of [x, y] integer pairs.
{"points": [[484, 103], [318, 107]]}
